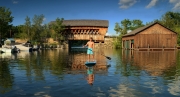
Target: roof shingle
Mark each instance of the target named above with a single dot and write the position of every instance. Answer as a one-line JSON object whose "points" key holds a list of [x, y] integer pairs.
{"points": [[86, 22], [134, 32]]}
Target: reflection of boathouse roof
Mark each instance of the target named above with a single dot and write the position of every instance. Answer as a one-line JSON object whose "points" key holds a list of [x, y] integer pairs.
{"points": [[86, 22]]}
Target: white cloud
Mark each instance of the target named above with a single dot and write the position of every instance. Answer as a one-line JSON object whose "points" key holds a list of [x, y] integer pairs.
{"points": [[15, 2], [129, 31], [173, 1], [174, 87], [107, 34], [126, 3], [152, 3], [176, 4]]}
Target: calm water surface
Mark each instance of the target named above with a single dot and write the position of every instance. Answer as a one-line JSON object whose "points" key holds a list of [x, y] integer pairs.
{"points": [[59, 73]]}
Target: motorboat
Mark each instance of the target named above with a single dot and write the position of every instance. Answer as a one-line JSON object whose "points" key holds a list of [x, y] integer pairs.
{"points": [[9, 49], [24, 48], [5, 50]]}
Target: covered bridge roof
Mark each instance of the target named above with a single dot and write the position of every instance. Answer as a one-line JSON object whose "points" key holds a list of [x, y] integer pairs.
{"points": [[138, 30], [86, 22]]}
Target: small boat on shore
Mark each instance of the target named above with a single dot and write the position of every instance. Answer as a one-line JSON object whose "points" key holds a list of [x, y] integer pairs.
{"points": [[9, 50], [24, 48], [5, 50], [5, 55]]}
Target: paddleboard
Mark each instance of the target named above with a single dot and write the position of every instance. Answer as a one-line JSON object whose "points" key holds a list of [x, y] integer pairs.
{"points": [[90, 64]]}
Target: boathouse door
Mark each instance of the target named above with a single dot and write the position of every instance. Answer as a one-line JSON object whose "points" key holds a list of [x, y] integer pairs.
{"points": [[132, 44]]}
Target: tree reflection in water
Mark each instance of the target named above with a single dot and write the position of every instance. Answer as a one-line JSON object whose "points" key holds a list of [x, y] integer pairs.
{"points": [[37, 63], [6, 78]]}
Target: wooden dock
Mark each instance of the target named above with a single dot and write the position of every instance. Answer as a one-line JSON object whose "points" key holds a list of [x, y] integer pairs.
{"points": [[155, 49], [178, 47]]}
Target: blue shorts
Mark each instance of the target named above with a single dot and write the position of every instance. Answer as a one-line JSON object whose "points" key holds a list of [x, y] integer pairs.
{"points": [[90, 71], [89, 51]]}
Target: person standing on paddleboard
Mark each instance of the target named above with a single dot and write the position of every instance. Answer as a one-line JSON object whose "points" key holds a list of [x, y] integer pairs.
{"points": [[90, 45]]}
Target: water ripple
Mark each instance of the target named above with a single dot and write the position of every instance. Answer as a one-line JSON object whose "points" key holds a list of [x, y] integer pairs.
{"points": [[53, 73]]}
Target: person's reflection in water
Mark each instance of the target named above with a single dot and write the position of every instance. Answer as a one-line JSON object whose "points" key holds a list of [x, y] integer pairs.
{"points": [[90, 77]]}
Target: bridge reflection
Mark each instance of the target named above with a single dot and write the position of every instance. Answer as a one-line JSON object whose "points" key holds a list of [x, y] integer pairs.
{"points": [[78, 59], [73, 61]]}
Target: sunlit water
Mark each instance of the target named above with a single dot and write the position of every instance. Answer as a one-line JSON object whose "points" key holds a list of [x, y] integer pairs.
{"points": [[59, 73]]}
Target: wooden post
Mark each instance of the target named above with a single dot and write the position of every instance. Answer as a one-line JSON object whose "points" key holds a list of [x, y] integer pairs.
{"points": [[125, 44], [148, 47], [163, 47], [122, 44], [130, 44]]}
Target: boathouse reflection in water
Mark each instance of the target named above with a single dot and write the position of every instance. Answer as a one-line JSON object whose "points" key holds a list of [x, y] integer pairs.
{"points": [[154, 62], [50, 72]]}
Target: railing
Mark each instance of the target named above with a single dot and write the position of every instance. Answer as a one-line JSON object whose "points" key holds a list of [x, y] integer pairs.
{"points": [[85, 37]]}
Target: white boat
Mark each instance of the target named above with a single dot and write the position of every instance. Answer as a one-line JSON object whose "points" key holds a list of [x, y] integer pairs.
{"points": [[5, 50], [5, 55], [23, 48], [8, 50]]}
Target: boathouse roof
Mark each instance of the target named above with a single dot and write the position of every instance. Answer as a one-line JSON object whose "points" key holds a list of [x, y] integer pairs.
{"points": [[138, 30], [86, 22]]}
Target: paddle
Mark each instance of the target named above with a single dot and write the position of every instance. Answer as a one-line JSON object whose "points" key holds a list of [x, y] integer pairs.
{"points": [[106, 57], [109, 58]]}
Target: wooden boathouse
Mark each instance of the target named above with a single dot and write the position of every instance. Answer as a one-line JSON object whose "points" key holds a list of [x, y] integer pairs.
{"points": [[151, 37]]}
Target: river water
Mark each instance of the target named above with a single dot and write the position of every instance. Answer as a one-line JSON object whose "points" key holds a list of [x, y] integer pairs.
{"points": [[62, 73]]}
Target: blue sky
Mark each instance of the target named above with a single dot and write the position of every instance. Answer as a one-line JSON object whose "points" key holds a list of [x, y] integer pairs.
{"points": [[111, 10]]}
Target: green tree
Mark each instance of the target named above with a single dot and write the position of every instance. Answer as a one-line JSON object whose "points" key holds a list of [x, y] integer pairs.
{"points": [[156, 20], [27, 28], [37, 27], [136, 24], [14, 31], [5, 20], [46, 33], [58, 28], [123, 27], [172, 21], [117, 28], [127, 25], [21, 32], [117, 41]]}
